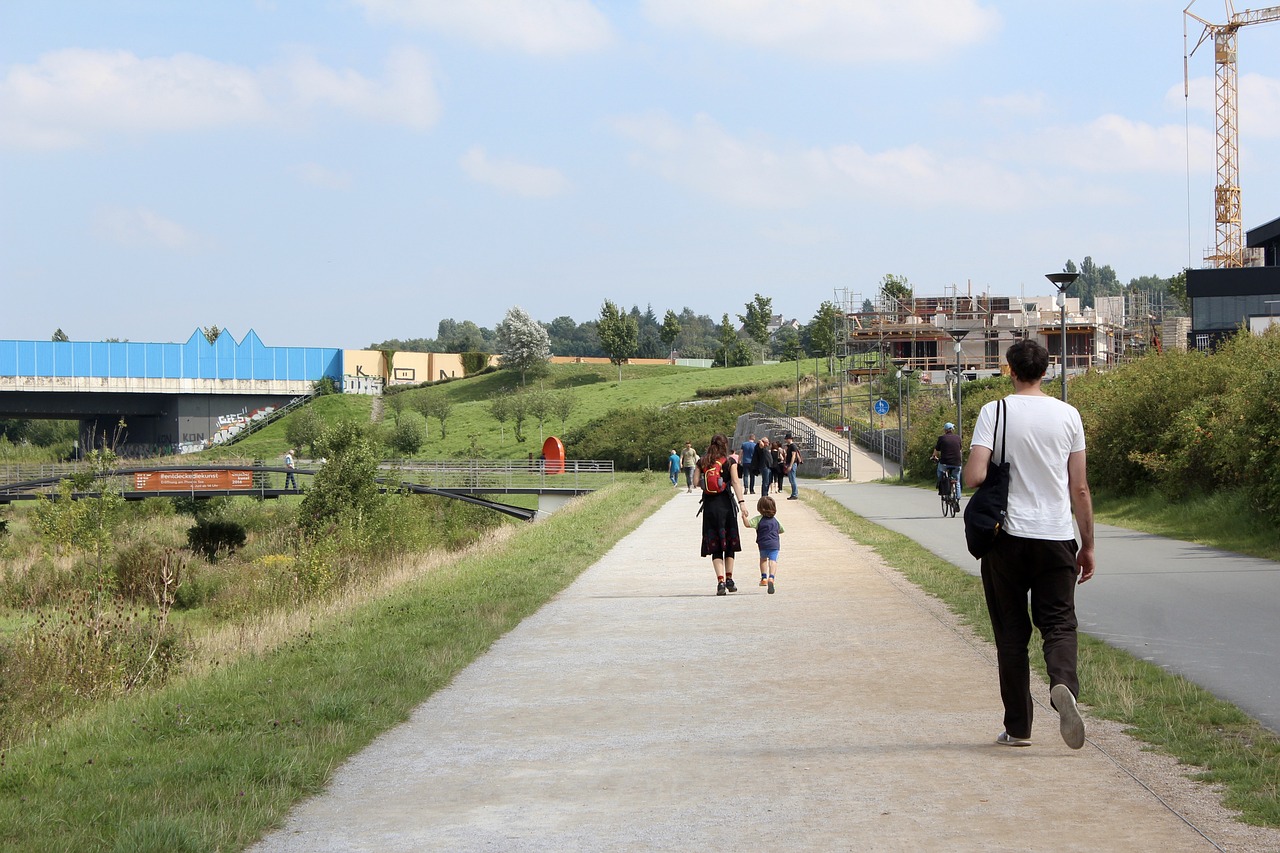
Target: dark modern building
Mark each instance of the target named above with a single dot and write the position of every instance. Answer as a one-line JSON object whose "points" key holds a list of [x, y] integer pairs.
{"points": [[1223, 300]]}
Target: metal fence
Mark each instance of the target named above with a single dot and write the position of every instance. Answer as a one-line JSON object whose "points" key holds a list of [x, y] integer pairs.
{"points": [[474, 474]]}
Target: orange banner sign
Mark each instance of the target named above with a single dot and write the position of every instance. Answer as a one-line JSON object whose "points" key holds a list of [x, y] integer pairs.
{"points": [[196, 479]]}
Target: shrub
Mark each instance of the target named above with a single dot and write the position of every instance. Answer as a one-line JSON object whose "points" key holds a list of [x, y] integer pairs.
{"points": [[211, 536], [146, 572]]}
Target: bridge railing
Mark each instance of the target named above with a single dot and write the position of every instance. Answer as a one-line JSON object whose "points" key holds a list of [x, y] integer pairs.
{"points": [[499, 475]]}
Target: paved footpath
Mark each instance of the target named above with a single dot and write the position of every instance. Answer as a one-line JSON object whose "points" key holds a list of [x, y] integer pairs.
{"points": [[638, 711]]}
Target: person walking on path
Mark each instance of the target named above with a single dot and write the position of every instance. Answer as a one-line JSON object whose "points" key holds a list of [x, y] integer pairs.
{"points": [[688, 459], [791, 461], [949, 455], [290, 480], [717, 475], [748, 457], [768, 539], [1036, 552], [762, 462], [673, 468]]}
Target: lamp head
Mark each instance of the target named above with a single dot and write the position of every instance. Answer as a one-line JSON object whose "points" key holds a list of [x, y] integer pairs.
{"points": [[1062, 280]]}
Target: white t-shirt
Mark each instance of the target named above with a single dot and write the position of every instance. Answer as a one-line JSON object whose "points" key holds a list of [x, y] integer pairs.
{"points": [[1043, 432]]}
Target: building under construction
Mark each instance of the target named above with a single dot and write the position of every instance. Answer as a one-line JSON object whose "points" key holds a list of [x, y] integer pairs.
{"points": [[921, 333]]}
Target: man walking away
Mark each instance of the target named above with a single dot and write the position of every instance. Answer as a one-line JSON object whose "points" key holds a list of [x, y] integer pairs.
{"points": [[290, 480], [747, 457], [791, 461], [1036, 552]]}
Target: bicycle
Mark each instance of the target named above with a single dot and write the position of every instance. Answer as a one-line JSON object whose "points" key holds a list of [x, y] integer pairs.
{"points": [[949, 491]]}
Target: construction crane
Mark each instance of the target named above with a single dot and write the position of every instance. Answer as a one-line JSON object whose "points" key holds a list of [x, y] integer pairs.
{"points": [[1229, 250]]}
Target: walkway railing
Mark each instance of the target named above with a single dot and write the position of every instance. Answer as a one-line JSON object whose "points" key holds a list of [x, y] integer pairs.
{"points": [[511, 475]]}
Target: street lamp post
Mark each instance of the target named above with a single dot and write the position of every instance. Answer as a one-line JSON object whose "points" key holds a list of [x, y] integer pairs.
{"points": [[958, 335], [1063, 280], [903, 370]]}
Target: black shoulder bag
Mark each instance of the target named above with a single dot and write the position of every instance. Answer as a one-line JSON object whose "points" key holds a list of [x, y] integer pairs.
{"points": [[984, 514]]}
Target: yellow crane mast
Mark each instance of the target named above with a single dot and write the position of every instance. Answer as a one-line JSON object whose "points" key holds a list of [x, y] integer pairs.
{"points": [[1229, 250]]}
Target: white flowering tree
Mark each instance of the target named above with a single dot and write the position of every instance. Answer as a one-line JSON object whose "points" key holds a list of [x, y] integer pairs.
{"points": [[523, 343]]}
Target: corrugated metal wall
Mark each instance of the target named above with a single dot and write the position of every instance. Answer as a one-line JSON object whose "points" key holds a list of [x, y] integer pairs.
{"points": [[196, 359]]}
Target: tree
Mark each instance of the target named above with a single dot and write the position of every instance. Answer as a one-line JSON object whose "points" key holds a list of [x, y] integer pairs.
{"points": [[789, 344], [59, 335], [437, 406], [304, 427], [500, 409], [618, 333], [396, 403], [523, 343], [756, 321], [563, 403], [670, 329], [345, 489], [822, 330], [408, 434], [897, 294], [538, 405], [211, 333], [728, 337], [519, 407], [1178, 290]]}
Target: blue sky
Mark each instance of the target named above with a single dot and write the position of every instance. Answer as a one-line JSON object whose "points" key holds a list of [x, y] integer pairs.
{"points": [[339, 172]]}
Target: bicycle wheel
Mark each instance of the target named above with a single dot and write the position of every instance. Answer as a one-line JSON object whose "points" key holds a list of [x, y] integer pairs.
{"points": [[946, 507]]}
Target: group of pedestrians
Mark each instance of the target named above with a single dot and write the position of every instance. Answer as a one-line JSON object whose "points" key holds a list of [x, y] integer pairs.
{"points": [[767, 463]]}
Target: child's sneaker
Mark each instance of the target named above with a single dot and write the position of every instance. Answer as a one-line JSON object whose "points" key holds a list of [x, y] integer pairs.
{"points": [[720, 588], [730, 585], [770, 582]]}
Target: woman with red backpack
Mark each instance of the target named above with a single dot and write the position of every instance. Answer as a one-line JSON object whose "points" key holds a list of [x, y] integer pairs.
{"points": [[719, 477]]}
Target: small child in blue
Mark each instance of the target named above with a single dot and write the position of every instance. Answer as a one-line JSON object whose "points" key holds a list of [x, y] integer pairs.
{"points": [[768, 539]]}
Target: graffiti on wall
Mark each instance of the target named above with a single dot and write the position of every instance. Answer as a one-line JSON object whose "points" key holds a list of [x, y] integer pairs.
{"points": [[228, 425]]}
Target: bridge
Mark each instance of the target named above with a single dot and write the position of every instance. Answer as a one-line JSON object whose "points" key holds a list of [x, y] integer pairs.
{"points": [[471, 481]]}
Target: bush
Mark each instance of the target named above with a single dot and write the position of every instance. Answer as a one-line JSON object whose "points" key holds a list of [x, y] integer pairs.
{"points": [[145, 571], [211, 536], [643, 437]]}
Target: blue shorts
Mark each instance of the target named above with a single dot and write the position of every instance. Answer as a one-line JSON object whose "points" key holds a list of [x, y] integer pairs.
{"points": [[770, 555]]}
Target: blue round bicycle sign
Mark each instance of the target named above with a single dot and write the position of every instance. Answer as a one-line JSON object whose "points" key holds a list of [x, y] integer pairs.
{"points": [[882, 407]]}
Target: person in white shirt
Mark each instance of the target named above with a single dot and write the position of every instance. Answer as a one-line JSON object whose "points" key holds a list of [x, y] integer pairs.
{"points": [[1036, 553]]}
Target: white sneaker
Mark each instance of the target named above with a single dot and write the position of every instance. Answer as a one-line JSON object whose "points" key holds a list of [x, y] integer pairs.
{"points": [[1006, 739], [1070, 723]]}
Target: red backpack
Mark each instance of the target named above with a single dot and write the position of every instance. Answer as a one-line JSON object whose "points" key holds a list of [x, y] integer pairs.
{"points": [[713, 482]]}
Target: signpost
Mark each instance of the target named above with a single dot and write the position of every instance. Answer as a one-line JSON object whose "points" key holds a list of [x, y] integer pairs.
{"points": [[882, 409]]}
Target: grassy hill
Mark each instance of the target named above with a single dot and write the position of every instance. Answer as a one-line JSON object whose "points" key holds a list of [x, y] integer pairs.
{"points": [[595, 389]]}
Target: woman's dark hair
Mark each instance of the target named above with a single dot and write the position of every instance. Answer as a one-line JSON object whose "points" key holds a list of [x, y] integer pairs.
{"points": [[716, 450], [1028, 360]]}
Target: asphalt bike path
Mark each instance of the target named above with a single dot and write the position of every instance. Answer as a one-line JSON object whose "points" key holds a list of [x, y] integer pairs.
{"points": [[1205, 614], [637, 710]]}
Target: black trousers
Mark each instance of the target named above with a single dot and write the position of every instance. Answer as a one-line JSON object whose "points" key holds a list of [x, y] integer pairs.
{"points": [[1045, 570]]}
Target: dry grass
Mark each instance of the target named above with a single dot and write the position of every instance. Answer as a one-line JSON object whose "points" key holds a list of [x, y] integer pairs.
{"points": [[266, 631]]}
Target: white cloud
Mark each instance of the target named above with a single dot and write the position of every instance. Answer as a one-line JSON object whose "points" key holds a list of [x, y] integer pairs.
{"points": [[313, 174], [68, 98], [1258, 101], [835, 30], [512, 177], [755, 173], [538, 27], [142, 228], [1015, 105], [1113, 144], [406, 96]]}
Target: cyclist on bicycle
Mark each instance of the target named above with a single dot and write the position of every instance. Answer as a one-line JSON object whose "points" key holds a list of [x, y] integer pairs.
{"points": [[949, 456]]}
